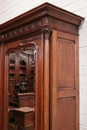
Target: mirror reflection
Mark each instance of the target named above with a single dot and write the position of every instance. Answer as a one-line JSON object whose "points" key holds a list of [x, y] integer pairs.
{"points": [[21, 89]]}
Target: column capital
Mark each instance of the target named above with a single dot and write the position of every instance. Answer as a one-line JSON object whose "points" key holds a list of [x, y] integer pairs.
{"points": [[46, 32]]}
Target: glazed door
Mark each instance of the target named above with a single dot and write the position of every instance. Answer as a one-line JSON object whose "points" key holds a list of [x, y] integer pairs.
{"points": [[21, 84], [23, 61], [64, 82]]}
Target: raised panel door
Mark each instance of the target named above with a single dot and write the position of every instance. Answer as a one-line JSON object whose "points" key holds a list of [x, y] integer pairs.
{"points": [[64, 103], [66, 64]]}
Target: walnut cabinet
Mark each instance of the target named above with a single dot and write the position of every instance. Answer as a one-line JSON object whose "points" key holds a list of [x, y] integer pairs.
{"points": [[51, 73]]}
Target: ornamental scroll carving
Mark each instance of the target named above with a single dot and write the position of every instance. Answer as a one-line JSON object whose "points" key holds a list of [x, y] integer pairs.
{"points": [[24, 41], [22, 30]]}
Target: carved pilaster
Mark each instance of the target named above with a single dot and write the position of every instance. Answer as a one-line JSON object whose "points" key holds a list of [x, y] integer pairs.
{"points": [[46, 36]]}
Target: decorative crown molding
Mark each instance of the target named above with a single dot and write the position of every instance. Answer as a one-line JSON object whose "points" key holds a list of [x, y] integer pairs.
{"points": [[24, 29]]}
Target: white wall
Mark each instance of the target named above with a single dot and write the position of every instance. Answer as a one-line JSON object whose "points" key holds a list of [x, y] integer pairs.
{"points": [[12, 8]]}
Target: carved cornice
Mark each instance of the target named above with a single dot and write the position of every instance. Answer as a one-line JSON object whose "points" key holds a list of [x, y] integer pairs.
{"points": [[34, 19], [21, 30], [47, 32]]}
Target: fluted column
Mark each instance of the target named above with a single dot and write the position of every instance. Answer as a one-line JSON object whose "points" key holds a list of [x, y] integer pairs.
{"points": [[46, 36]]}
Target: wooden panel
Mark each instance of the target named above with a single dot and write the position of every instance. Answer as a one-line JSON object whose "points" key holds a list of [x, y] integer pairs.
{"points": [[66, 63], [66, 114], [29, 121], [0, 68], [1, 112], [64, 108], [26, 99], [62, 25], [1, 90]]}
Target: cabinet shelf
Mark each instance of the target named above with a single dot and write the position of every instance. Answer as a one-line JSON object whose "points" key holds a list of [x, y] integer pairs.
{"points": [[12, 65], [22, 66], [12, 73], [12, 79], [22, 73]]}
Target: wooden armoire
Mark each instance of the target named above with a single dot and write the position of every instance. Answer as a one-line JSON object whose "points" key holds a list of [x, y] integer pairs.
{"points": [[47, 36]]}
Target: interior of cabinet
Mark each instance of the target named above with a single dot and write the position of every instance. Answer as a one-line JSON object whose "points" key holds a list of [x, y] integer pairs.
{"points": [[21, 87]]}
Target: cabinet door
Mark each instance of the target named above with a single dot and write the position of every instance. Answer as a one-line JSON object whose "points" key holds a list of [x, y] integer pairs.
{"points": [[64, 82]]}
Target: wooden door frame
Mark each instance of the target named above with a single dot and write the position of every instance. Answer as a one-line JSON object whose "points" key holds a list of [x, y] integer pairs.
{"points": [[39, 82]]}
